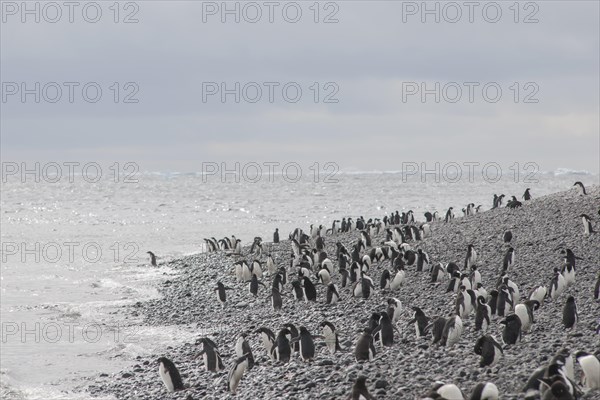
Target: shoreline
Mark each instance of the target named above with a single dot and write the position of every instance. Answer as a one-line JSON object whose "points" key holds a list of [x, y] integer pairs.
{"points": [[411, 366]]}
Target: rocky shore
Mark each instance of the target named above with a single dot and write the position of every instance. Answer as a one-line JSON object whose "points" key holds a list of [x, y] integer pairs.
{"points": [[409, 368]]}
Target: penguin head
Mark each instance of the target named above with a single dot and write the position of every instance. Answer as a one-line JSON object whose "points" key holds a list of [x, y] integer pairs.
{"points": [[581, 354]]}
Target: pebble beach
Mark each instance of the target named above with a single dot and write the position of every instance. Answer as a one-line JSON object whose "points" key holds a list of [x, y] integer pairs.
{"points": [[408, 369]]}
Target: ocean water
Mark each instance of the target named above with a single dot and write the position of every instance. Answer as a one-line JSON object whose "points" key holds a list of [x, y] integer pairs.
{"points": [[74, 253]]}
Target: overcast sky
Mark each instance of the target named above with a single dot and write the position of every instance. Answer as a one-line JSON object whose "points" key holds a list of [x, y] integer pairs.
{"points": [[374, 61]]}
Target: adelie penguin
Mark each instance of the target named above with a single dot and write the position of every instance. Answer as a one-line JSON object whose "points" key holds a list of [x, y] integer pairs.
{"points": [[394, 309], [452, 331], [253, 285], [307, 345], [242, 348], [331, 337], [527, 195], [570, 316], [384, 333], [437, 329], [276, 300], [485, 391], [591, 369], [276, 236], [482, 314], [359, 390], [421, 322], [557, 284], [525, 313], [169, 375], [587, 224], [332, 294], [221, 296], [364, 349], [489, 349], [281, 350], [581, 188], [268, 339], [236, 372], [509, 259], [512, 329], [211, 355], [507, 236], [152, 258]]}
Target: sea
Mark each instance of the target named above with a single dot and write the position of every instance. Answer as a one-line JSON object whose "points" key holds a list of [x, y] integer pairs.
{"points": [[74, 251]]}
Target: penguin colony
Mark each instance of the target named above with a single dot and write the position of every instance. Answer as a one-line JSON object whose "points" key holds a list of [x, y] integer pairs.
{"points": [[483, 310]]}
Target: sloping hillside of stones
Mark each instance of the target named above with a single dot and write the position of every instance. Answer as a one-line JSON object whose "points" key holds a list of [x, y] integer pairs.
{"points": [[407, 369]]}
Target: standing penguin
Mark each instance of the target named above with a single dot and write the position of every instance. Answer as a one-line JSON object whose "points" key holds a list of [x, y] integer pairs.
{"points": [[276, 300], [331, 337], [591, 369], [557, 284], [538, 294], [569, 318], [221, 296], [437, 329], [452, 331], [152, 258], [307, 345], [449, 214], [525, 313], [489, 349], [359, 390], [332, 294], [581, 188], [169, 375], [421, 320], [298, 291], [485, 391], [236, 372], [394, 309], [597, 289], [422, 260], [527, 195], [512, 329], [268, 339], [509, 259], [271, 266], [211, 355], [437, 273], [364, 350], [384, 282], [464, 302], [309, 289], [587, 224], [507, 236], [253, 285], [471, 257], [242, 348], [482, 314], [504, 298], [281, 350], [276, 236], [493, 302], [384, 331]]}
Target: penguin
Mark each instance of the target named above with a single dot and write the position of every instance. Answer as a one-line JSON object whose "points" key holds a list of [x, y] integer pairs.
{"points": [[489, 349], [514, 203], [359, 390], [569, 318], [298, 291], [398, 279], [591, 369], [437, 329], [307, 345], [475, 276], [500, 199], [485, 391], [437, 273], [527, 195], [421, 322], [568, 273], [384, 281], [525, 313], [323, 276], [283, 273], [493, 302], [276, 236], [394, 309], [236, 372], [449, 214], [509, 259], [281, 350], [597, 289], [512, 329], [332, 294], [581, 188], [364, 350], [513, 288], [242, 271], [331, 337], [422, 260], [169, 375], [211, 355], [268, 339], [563, 357], [455, 282], [384, 331], [447, 391], [452, 331], [482, 314], [220, 289], [480, 291], [237, 249], [276, 300], [271, 267], [242, 348], [292, 335], [555, 375], [538, 294], [557, 284], [504, 298], [471, 257], [152, 258], [587, 225], [277, 282], [464, 305], [345, 277], [507, 236], [253, 285]]}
